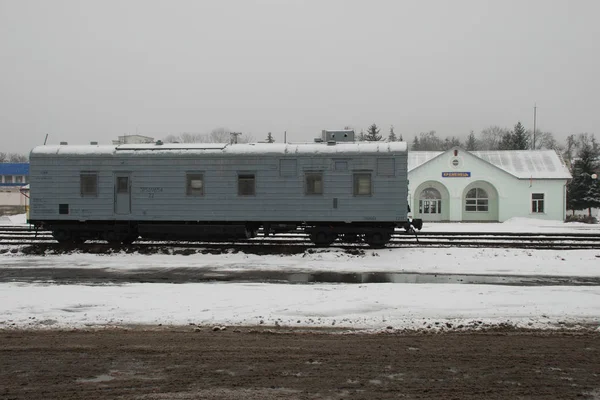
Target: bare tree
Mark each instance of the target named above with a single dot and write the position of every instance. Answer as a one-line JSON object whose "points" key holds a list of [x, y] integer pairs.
{"points": [[246, 138], [491, 137], [571, 146], [429, 141], [220, 135], [545, 140], [171, 139], [17, 158], [3, 157], [188, 137], [217, 135]]}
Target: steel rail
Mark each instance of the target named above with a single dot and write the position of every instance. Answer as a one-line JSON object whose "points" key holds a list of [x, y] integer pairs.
{"points": [[24, 236], [278, 244]]}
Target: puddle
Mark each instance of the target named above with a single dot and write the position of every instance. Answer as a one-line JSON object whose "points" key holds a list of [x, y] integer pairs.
{"points": [[94, 276], [97, 379], [401, 277]]}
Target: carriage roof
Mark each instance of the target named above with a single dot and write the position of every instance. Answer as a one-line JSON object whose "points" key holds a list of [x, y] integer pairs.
{"points": [[219, 149]]}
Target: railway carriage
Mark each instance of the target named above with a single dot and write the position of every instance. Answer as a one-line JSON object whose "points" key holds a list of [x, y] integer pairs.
{"points": [[351, 191]]}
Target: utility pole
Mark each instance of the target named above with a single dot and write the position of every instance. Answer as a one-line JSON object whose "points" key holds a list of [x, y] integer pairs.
{"points": [[534, 121], [234, 137]]}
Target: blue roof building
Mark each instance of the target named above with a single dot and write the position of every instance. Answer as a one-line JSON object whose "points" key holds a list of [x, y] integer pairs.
{"points": [[14, 174]]}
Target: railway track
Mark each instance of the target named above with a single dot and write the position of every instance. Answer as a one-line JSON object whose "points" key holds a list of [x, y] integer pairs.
{"points": [[298, 241]]}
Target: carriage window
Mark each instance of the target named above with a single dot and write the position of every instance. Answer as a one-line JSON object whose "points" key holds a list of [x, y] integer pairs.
{"points": [[246, 185], [314, 183], [362, 184], [341, 165], [194, 184], [89, 184], [122, 184], [537, 202], [476, 200]]}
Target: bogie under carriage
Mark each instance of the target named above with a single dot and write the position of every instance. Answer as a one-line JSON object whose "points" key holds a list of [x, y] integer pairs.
{"points": [[354, 191]]}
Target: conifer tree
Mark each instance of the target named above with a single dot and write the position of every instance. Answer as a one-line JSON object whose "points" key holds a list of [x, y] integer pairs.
{"points": [[471, 143], [450, 142], [373, 134], [520, 140], [392, 135], [415, 144], [506, 142], [583, 191]]}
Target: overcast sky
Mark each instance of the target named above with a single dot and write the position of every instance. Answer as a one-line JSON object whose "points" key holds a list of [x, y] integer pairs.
{"points": [[94, 70]]}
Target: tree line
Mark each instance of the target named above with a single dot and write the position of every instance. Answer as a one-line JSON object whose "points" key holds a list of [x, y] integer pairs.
{"points": [[217, 135], [491, 138], [12, 158]]}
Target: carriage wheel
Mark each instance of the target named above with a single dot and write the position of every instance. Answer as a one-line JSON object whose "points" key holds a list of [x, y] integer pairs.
{"points": [[322, 238], [377, 240]]}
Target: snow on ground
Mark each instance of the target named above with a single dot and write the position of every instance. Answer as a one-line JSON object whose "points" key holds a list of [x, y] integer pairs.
{"points": [[516, 224], [19, 219], [362, 306]]}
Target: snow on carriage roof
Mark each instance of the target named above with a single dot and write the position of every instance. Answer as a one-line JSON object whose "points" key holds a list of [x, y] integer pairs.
{"points": [[222, 148], [523, 164]]}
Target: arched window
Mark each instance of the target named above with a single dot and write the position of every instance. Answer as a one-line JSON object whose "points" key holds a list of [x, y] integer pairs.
{"points": [[430, 202], [476, 200]]}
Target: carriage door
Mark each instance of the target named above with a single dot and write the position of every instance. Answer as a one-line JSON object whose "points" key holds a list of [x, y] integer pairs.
{"points": [[122, 193]]}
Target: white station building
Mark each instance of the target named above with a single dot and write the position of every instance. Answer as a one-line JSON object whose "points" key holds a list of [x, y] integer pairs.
{"points": [[487, 186]]}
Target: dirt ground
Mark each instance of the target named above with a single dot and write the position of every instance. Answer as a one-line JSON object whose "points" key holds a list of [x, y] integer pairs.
{"points": [[279, 363]]}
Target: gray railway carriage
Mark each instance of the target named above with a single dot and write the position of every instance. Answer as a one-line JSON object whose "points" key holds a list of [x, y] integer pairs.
{"points": [[351, 191]]}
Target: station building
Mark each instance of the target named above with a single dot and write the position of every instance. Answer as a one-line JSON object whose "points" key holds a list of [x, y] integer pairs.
{"points": [[487, 186]]}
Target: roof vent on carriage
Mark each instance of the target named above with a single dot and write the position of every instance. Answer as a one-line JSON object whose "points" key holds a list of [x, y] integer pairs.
{"points": [[64, 143]]}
